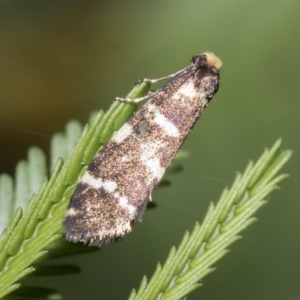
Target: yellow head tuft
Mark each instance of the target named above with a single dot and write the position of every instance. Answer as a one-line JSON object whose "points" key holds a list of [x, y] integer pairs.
{"points": [[213, 60]]}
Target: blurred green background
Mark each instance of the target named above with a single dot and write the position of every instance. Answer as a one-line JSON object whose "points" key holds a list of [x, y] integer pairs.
{"points": [[60, 60]]}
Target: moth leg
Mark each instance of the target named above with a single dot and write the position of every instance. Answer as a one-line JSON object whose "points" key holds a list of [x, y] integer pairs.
{"points": [[151, 92], [135, 100], [159, 79], [151, 81]]}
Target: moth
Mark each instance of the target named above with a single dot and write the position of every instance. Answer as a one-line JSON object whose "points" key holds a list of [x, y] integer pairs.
{"points": [[114, 191]]}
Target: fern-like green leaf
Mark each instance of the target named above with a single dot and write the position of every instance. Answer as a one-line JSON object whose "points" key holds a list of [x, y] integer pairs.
{"points": [[207, 243], [36, 232], [29, 233]]}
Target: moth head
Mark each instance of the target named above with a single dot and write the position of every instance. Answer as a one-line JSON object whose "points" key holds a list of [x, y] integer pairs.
{"points": [[208, 60], [206, 69], [212, 60]]}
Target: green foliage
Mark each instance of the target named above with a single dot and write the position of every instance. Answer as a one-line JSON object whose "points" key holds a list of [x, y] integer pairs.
{"points": [[39, 203], [32, 208], [207, 243]]}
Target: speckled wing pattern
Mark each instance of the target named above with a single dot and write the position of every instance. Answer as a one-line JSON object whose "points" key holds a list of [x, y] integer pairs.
{"points": [[116, 187]]}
